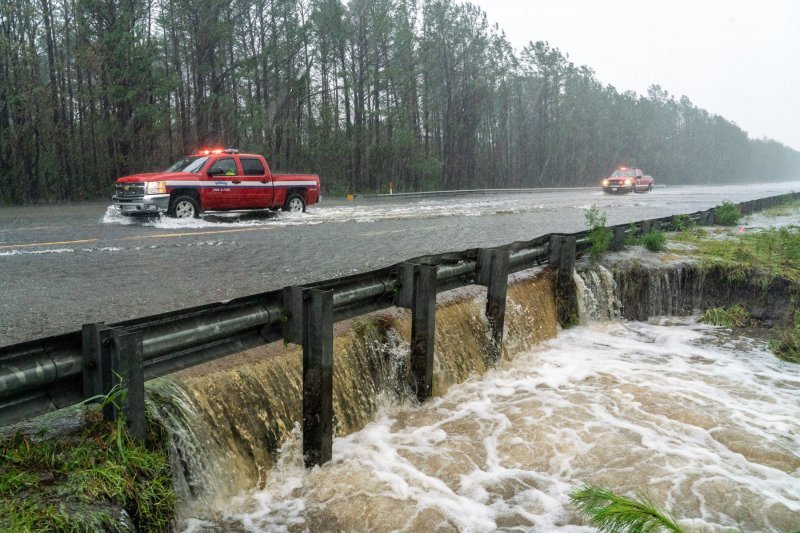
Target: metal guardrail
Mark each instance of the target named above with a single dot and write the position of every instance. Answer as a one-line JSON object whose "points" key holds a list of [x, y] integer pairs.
{"points": [[54, 372]]}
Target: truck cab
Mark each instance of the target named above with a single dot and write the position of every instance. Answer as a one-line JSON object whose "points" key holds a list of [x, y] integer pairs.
{"points": [[626, 179], [214, 180]]}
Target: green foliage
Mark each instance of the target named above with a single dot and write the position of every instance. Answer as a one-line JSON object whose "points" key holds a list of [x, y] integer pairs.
{"points": [[791, 244], [31, 517], [788, 346], [727, 214], [73, 483], [632, 236], [655, 241], [786, 206], [735, 316], [764, 256], [612, 513], [772, 253], [599, 235], [683, 223]]}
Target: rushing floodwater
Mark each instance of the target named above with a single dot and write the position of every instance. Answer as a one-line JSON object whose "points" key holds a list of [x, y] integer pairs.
{"points": [[698, 419]]}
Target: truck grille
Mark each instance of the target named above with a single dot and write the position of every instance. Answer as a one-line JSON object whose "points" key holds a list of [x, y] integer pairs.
{"points": [[129, 190]]}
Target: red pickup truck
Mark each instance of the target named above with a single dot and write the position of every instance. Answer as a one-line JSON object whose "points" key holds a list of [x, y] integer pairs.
{"points": [[214, 180], [625, 180]]}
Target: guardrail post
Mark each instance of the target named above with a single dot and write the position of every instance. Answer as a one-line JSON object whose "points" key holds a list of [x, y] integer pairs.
{"points": [[127, 363], [111, 358], [562, 257], [98, 377], [618, 239], [646, 226], [745, 208], [493, 267], [317, 327], [292, 314], [405, 278], [423, 329]]}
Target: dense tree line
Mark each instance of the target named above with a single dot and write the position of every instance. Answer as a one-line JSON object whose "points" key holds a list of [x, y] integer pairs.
{"points": [[421, 92]]}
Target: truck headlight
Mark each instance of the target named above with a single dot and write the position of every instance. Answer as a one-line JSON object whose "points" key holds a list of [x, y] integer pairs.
{"points": [[155, 187], [605, 183], [628, 182]]}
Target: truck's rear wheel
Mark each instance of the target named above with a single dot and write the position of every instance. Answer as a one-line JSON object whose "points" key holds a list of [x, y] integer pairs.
{"points": [[295, 204], [184, 207]]}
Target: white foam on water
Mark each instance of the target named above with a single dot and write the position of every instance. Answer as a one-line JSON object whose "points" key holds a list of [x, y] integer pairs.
{"points": [[701, 421], [316, 214], [114, 216], [38, 252], [104, 249]]}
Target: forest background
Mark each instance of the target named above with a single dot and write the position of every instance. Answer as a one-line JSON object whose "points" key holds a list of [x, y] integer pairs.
{"points": [[424, 93]]}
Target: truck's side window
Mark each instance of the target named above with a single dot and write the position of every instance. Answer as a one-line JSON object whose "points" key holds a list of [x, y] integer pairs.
{"points": [[227, 164], [252, 166]]}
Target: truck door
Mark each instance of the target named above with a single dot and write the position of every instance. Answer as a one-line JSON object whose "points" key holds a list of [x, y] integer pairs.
{"points": [[222, 190], [258, 190]]}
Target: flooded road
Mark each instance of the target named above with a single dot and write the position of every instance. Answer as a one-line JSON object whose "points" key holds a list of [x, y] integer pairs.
{"points": [[65, 265]]}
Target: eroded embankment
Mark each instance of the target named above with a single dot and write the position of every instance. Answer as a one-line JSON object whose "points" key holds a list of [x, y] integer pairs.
{"points": [[229, 418], [684, 289]]}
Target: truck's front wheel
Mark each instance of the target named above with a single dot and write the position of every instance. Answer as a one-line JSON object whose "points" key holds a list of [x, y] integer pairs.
{"points": [[184, 207]]}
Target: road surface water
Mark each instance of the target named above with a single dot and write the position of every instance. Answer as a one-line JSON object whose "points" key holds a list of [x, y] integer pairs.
{"points": [[65, 265]]}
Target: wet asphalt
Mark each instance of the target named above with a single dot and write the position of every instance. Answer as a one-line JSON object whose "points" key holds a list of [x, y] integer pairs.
{"points": [[68, 264]]}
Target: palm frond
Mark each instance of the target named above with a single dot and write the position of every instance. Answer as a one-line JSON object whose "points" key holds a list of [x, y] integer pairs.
{"points": [[612, 513]]}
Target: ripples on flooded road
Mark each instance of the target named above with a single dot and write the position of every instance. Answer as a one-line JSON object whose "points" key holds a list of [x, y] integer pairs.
{"points": [[65, 265]]}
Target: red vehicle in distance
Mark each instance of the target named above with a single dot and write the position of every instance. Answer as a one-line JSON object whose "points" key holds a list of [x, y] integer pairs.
{"points": [[214, 180], [624, 180]]}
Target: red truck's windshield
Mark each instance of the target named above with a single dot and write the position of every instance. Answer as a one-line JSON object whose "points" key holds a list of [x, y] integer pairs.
{"points": [[192, 163], [623, 174]]}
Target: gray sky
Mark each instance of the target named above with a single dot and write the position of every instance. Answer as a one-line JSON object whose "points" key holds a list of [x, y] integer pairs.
{"points": [[735, 58]]}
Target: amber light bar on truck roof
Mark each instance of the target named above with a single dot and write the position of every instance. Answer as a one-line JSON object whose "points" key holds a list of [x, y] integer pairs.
{"points": [[216, 151]]}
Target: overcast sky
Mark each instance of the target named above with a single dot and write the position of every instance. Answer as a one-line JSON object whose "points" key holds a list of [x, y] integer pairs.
{"points": [[735, 58]]}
